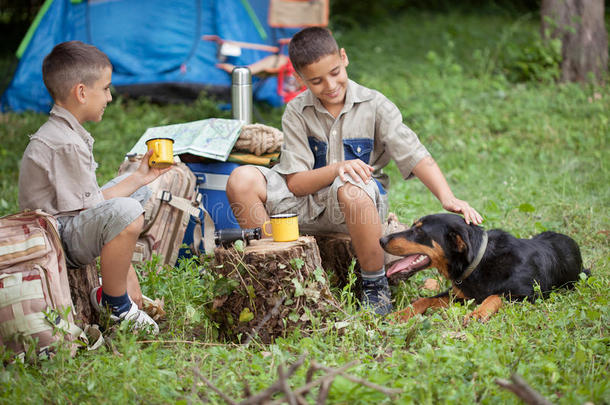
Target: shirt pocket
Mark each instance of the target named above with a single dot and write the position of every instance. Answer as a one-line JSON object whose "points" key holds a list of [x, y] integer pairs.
{"points": [[318, 148], [358, 148]]}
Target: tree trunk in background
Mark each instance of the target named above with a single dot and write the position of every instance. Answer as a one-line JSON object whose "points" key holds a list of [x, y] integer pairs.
{"points": [[579, 24]]}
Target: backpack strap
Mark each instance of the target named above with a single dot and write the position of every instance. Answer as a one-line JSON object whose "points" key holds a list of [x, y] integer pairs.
{"points": [[196, 210]]}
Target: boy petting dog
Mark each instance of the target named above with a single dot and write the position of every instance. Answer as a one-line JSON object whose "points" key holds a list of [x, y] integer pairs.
{"points": [[338, 137], [57, 175]]}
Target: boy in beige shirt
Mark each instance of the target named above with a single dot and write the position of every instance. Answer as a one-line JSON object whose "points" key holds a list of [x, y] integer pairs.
{"points": [[57, 175], [338, 136]]}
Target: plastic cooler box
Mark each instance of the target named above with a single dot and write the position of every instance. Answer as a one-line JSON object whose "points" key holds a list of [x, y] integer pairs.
{"points": [[212, 184]]}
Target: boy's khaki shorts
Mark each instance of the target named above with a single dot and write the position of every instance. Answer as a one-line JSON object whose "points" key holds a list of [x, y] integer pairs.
{"points": [[320, 212], [84, 235]]}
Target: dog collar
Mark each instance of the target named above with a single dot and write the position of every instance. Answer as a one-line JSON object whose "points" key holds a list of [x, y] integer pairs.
{"points": [[475, 262]]}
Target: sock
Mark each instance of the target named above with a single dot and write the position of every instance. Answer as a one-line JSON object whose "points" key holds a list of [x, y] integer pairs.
{"points": [[367, 275], [118, 305]]}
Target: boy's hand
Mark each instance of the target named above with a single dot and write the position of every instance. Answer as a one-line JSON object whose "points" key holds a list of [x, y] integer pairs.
{"points": [[462, 207], [148, 173], [356, 169]]}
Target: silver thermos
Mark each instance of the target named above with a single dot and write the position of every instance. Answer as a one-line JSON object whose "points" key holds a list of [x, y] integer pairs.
{"points": [[241, 94]]}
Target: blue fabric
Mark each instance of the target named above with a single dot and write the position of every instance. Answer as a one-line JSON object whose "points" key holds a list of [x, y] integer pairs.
{"points": [[318, 148], [147, 41], [117, 305], [358, 148]]}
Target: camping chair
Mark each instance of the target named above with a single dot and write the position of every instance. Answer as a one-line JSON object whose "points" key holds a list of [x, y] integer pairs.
{"points": [[282, 14]]}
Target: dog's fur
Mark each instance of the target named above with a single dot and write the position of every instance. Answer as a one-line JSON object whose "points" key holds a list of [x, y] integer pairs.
{"points": [[510, 267]]}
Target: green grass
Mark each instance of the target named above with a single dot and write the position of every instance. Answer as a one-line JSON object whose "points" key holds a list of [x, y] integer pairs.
{"points": [[529, 156]]}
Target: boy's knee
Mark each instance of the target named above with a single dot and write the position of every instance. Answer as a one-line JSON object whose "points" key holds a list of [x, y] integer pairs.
{"points": [[124, 209], [245, 179], [135, 227], [351, 194]]}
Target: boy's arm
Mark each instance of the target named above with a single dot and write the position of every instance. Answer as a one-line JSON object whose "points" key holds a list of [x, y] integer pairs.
{"points": [[141, 177], [430, 174], [311, 181]]}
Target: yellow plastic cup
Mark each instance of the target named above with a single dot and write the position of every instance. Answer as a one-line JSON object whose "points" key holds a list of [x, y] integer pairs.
{"points": [[284, 227], [163, 152]]}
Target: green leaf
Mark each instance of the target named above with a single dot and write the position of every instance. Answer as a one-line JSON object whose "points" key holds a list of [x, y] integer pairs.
{"points": [[250, 290], [239, 245], [298, 288], [539, 227], [525, 207], [297, 263], [318, 273], [224, 286], [192, 314], [294, 317], [246, 315]]}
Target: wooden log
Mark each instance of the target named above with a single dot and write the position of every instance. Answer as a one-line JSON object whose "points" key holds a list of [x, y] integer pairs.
{"points": [[82, 281], [337, 255], [271, 288]]}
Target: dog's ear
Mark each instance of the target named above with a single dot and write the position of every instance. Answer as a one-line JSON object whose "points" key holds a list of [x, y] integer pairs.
{"points": [[460, 242]]}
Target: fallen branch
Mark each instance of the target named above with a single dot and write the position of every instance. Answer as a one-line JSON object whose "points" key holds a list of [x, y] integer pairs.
{"points": [[520, 388], [297, 396], [388, 391], [213, 387], [275, 387], [319, 381]]}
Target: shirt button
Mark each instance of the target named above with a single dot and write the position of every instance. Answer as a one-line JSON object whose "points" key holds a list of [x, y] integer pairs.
{"points": [[315, 148], [87, 194], [333, 133], [358, 149]]}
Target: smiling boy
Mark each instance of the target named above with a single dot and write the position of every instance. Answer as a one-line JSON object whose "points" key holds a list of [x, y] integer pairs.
{"points": [[57, 175], [338, 136]]}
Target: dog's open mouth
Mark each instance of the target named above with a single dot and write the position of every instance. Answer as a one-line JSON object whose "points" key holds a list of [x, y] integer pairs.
{"points": [[409, 265]]}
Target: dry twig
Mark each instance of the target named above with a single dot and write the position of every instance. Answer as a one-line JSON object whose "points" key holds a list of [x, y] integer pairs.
{"points": [[213, 387], [521, 388], [388, 391], [297, 396]]}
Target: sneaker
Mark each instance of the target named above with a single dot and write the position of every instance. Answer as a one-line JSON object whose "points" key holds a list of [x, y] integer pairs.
{"points": [[96, 298], [376, 295], [139, 318]]}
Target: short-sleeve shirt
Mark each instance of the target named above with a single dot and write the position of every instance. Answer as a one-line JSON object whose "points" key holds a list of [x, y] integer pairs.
{"points": [[369, 128], [57, 171]]}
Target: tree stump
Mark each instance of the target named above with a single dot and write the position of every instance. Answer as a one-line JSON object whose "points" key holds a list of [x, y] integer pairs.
{"points": [[337, 255], [270, 289], [82, 281]]}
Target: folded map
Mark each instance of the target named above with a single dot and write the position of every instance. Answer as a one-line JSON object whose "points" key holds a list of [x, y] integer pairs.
{"points": [[211, 138]]}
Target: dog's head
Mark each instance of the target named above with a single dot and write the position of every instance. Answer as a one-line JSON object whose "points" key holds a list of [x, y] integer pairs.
{"points": [[442, 241]]}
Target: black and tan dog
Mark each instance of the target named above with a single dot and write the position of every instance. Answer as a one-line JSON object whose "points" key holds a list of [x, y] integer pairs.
{"points": [[481, 265]]}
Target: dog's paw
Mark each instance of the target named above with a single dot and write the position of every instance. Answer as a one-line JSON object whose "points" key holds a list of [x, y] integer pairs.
{"points": [[488, 307], [478, 314]]}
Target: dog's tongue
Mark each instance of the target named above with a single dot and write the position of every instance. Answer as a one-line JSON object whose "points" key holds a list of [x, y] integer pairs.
{"points": [[407, 264]]}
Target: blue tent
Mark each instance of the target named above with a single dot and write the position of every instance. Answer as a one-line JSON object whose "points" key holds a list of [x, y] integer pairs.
{"points": [[155, 46]]}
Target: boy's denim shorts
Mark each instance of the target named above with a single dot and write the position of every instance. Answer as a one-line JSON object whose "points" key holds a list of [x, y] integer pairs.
{"points": [[85, 234], [320, 212]]}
